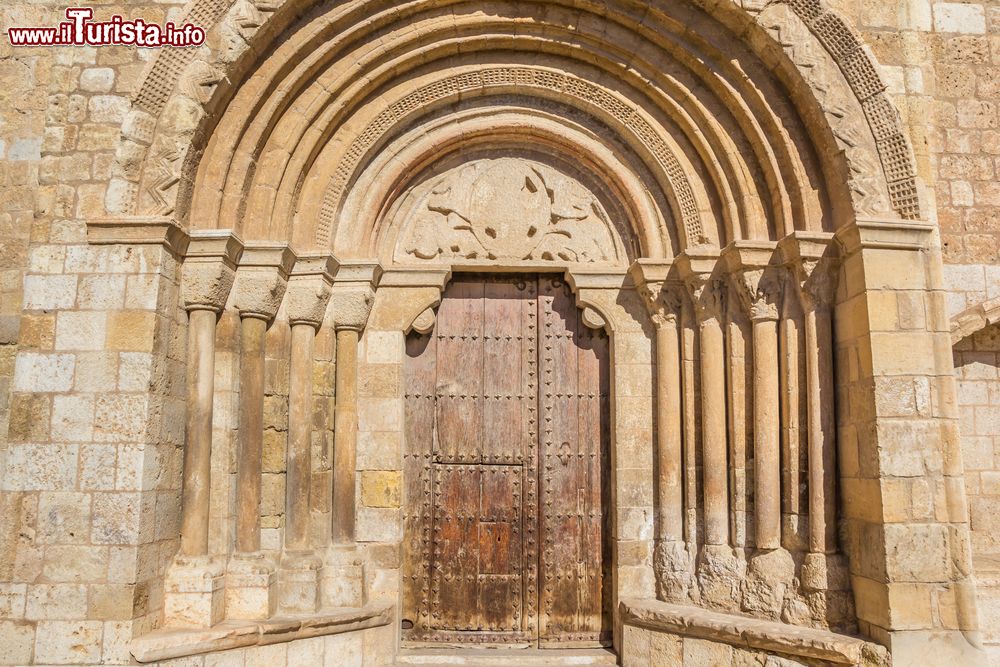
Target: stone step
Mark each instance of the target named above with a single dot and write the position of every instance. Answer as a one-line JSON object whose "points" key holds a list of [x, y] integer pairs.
{"points": [[505, 658]]}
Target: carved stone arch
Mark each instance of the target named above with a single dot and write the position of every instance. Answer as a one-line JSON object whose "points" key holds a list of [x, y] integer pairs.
{"points": [[687, 206], [144, 142], [974, 319]]}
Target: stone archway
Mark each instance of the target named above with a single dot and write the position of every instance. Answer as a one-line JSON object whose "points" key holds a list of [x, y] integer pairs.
{"points": [[719, 199]]}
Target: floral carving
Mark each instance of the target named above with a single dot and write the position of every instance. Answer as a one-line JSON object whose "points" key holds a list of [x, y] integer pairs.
{"points": [[509, 209]]}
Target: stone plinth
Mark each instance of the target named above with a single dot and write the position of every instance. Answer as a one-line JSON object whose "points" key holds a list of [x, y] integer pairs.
{"points": [[250, 588], [194, 593]]}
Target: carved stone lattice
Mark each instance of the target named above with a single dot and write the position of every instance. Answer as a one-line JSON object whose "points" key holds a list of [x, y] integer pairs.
{"points": [[507, 209]]}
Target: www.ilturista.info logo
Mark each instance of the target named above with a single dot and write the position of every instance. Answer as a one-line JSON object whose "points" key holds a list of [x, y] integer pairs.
{"points": [[79, 30]]}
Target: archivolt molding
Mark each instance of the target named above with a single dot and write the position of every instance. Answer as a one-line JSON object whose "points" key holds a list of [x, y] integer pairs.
{"points": [[797, 39], [504, 77], [973, 320]]}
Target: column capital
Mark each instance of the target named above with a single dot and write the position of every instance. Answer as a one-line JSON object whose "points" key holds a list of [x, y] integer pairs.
{"points": [[699, 268], [353, 294], [309, 287], [261, 279], [813, 260], [209, 269], [756, 277], [661, 287]]}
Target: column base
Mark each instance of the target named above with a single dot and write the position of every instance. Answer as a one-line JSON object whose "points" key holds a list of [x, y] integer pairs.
{"points": [[826, 584], [298, 583], [673, 569], [194, 592], [768, 583], [720, 572], [343, 578], [250, 587]]}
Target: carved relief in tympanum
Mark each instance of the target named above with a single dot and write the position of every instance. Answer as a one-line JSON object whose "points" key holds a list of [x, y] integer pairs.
{"points": [[507, 209]]}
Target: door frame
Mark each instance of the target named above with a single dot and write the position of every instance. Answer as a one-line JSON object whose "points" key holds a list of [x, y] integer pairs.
{"points": [[533, 321], [406, 300]]}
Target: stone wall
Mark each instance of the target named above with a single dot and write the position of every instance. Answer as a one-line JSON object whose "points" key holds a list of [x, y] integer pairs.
{"points": [[977, 359]]}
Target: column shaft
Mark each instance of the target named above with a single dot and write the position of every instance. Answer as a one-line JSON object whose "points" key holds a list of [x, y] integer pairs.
{"points": [[822, 444], [668, 433], [345, 436], [767, 435], [713, 427], [251, 435], [299, 460], [198, 433]]}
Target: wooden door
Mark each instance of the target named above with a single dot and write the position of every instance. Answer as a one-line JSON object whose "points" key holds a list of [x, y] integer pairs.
{"points": [[505, 463]]}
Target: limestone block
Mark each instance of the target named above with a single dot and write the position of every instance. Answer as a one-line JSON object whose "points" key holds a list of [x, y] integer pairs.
{"points": [[49, 292], [29, 417], [43, 372], [96, 371], [68, 642], [379, 414], [194, 594], [346, 650], [342, 579], [41, 468], [381, 488], [72, 418], [251, 588], [19, 638], [56, 601], [63, 517], [379, 524], [132, 331], [80, 330], [959, 18], [380, 450], [299, 584]]}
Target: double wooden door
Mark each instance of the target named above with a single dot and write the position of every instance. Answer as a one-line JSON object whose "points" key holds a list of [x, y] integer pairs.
{"points": [[505, 464]]}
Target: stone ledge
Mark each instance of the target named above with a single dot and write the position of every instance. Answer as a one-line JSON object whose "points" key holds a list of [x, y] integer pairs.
{"points": [[751, 633], [178, 643]]}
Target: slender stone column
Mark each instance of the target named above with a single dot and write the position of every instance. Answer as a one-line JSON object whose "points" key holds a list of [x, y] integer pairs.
{"points": [[351, 302], [260, 286], [708, 296], [308, 294], [198, 432], [759, 287], [346, 436], [664, 300], [251, 434], [193, 592], [815, 270]]}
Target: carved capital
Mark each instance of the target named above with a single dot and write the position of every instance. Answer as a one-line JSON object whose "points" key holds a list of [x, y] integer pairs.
{"points": [[353, 294], [708, 294], [209, 269], [814, 264], [309, 289], [756, 277], [664, 301], [699, 268], [661, 289], [760, 292], [261, 279]]}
